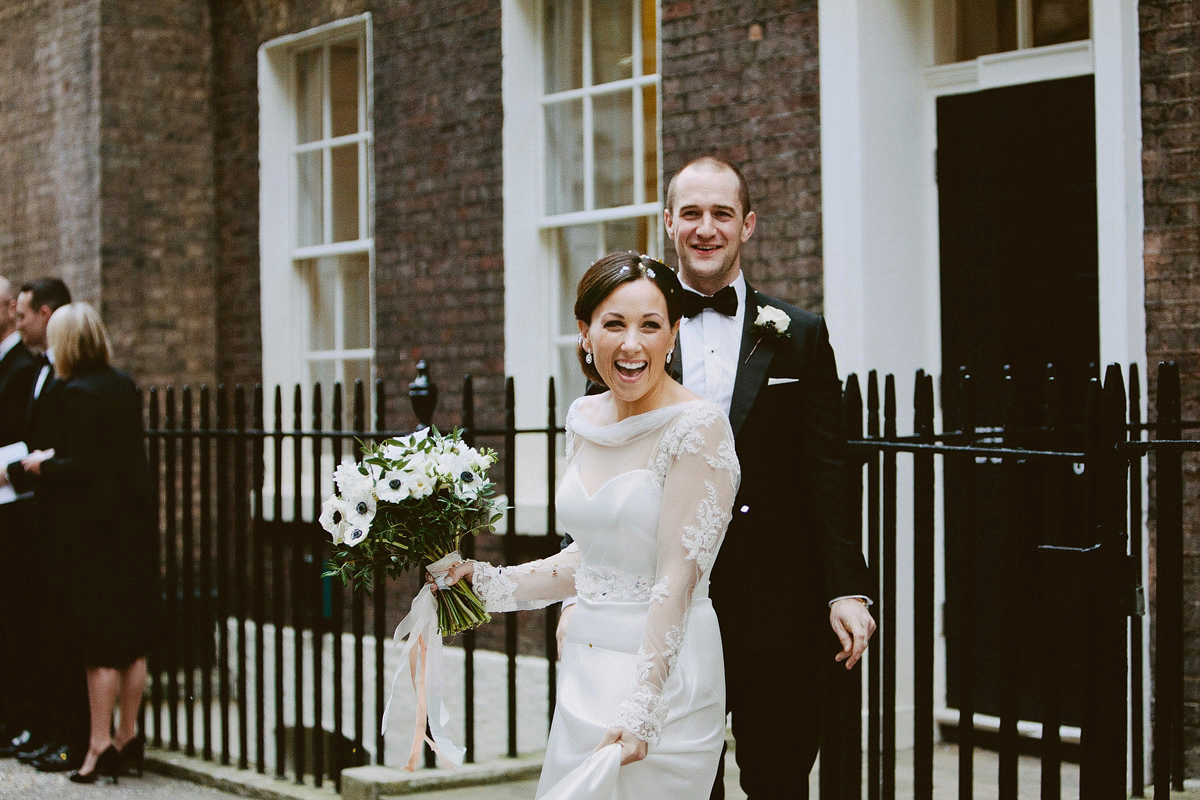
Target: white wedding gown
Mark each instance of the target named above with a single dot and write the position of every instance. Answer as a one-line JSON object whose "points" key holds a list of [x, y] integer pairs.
{"points": [[647, 501]]}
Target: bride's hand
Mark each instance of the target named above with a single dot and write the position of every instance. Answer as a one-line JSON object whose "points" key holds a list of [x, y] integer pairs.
{"points": [[461, 570], [632, 748]]}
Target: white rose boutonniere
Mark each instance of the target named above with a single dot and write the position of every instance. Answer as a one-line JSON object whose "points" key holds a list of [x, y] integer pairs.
{"points": [[771, 323]]}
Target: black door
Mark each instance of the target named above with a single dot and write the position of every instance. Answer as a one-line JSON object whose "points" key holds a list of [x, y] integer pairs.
{"points": [[1017, 217]]}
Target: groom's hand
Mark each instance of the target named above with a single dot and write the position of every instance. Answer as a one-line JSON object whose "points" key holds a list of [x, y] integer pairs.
{"points": [[853, 624]]}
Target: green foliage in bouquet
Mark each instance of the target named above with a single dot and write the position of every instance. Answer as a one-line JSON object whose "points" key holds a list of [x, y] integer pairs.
{"points": [[406, 505]]}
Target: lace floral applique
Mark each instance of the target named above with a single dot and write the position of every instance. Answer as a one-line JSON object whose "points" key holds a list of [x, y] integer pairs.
{"points": [[604, 583], [643, 714], [701, 539], [682, 436], [659, 591], [494, 587], [570, 440], [726, 460]]}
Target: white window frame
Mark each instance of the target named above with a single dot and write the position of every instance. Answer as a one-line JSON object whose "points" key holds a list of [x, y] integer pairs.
{"points": [[284, 295], [285, 301], [533, 293]]}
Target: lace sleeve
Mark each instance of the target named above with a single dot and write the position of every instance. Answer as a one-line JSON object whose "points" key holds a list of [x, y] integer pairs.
{"points": [[535, 584], [701, 475]]}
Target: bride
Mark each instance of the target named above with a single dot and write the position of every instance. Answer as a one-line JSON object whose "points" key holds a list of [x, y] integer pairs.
{"points": [[646, 498]]}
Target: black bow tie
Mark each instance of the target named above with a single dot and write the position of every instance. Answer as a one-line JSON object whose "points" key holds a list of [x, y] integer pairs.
{"points": [[724, 302]]}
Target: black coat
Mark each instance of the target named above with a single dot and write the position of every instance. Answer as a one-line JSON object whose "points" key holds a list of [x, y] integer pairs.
{"points": [[99, 491], [787, 552]]}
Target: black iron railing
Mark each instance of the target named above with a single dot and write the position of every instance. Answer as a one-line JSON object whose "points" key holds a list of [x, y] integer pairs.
{"points": [[273, 667]]}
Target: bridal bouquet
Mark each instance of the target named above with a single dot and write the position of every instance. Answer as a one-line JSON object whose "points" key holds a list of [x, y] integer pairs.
{"points": [[407, 505]]}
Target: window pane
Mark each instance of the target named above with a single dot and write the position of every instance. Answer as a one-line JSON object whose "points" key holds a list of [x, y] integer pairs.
{"points": [[321, 276], [564, 157], [571, 383], [344, 165], [308, 96], [356, 301], [612, 116], [1056, 21], [624, 234], [649, 37], [309, 199], [985, 27], [578, 247], [564, 45], [343, 88], [357, 370], [324, 372], [650, 144], [612, 40]]}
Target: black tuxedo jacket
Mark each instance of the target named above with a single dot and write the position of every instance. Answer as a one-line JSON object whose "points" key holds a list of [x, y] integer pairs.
{"points": [[786, 553], [18, 371]]}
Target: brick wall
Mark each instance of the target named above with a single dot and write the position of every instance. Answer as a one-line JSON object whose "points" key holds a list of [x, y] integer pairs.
{"points": [[49, 164], [156, 220], [752, 100], [438, 211], [1170, 63], [439, 214]]}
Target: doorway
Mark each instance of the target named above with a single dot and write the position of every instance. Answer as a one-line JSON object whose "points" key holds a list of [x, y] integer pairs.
{"points": [[1016, 177]]}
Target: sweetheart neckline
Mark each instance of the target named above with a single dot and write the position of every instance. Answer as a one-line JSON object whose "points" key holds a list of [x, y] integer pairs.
{"points": [[592, 495]]}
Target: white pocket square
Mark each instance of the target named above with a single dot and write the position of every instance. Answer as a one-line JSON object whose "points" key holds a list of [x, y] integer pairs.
{"points": [[777, 381]]}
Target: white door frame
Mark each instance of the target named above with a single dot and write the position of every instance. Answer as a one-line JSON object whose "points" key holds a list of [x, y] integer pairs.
{"points": [[880, 204]]}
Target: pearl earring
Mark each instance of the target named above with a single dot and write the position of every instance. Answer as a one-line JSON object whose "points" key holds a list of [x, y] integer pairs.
{"points": [[670, 354], [587, 358]]}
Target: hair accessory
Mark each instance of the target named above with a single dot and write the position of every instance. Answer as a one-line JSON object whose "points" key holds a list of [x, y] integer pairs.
{"points": [[650, 273], [587, 359], [624, 269]]}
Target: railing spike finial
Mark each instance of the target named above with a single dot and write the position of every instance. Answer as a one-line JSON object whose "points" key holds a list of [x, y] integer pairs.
{"points": [[422, 393]]}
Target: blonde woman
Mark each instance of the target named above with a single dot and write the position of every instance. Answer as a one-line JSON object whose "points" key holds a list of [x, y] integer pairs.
{"points": [[97, 480]]}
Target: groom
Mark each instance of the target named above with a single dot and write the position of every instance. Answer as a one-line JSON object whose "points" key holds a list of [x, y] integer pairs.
{"points": [[787, 571]]}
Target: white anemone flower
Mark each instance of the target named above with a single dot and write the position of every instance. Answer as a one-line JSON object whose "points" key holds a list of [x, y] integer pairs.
{"points": [[333, 517], [360, 508], [354, 535], [469, 484], [393, 487]]}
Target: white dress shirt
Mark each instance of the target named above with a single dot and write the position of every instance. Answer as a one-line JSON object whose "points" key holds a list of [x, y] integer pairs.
{"points": [[44, 375], [711, 343]]}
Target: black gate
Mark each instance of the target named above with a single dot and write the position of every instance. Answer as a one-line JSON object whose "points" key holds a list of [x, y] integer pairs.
{"points": [[1066, 618]]}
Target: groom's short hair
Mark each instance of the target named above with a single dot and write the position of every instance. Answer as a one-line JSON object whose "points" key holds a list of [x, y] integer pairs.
{"points": [[713, 163]]}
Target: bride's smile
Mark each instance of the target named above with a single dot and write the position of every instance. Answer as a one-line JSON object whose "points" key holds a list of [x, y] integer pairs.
{"points": [[629, 338]]}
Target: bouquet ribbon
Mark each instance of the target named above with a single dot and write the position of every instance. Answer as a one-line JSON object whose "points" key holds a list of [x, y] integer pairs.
{"points": [[422, 652]]}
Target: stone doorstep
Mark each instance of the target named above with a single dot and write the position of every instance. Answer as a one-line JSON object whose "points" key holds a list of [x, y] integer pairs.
{"points": [[377, 783], [358, 783]]}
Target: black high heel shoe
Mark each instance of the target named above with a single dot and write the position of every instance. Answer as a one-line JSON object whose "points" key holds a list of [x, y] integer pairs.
{"points": [[109, 763], [133, 754]]}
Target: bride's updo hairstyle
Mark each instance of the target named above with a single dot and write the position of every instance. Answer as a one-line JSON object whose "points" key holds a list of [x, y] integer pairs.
{"points": [[609, 272]]}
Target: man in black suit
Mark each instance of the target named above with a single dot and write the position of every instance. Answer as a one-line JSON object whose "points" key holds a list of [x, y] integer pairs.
{"points": [[18, 369], [787, 571], [53, 679]]}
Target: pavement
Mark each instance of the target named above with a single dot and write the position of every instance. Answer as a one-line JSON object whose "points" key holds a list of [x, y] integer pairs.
{"points": [[173, 776]]}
